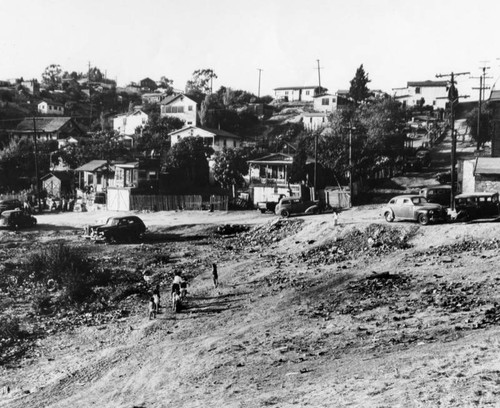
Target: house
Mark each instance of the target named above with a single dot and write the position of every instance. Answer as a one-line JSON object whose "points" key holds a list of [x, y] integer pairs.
{"points": [[47, 128], [181, 106], [217, 139], [58, 183], [147, 84], [325, 103], [495, 138], [298, 93], [95, 176], [432, 93], [128, 123], [314, 120], [32, 86], [270, 175], [51, 108], [480, 174], [153, 97]]}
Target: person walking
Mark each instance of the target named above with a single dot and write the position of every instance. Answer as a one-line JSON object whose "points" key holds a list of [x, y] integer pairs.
{"points": [[215, 275]]}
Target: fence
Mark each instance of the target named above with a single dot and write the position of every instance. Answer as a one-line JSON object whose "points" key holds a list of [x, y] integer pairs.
{"points": [[174, 202]]}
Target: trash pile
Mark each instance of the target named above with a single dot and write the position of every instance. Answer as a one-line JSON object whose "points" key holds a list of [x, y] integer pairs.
{"points": [[261, 235], [377, 239], [466, 245]]}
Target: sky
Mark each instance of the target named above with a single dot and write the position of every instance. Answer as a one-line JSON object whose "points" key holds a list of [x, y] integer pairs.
{"points": [[396, 40]]}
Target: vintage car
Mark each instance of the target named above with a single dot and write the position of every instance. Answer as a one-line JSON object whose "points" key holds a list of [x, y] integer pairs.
{"points": [[440, 194], [10, 205], [270, 205], [414, 207], [16, 219], [477, 205], [294, 205], [116, 229]]}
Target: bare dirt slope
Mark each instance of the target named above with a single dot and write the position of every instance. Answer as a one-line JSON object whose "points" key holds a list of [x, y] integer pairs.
{"points": [[363, 314]]}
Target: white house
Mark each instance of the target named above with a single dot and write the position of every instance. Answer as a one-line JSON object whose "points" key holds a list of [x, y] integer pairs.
{"points": [[314, 120], [51, 108], [180, 106], [128, 123], [433, 93], [325, 103], [215, 138], [297, 93]]}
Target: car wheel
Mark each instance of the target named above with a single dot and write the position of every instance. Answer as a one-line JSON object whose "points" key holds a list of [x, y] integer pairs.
{"points": [[423, 219], [389, 217], [285, 213], [262, 211]]}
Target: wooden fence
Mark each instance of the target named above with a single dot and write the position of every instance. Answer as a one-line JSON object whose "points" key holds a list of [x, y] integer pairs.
{"points": [[177, 202]]}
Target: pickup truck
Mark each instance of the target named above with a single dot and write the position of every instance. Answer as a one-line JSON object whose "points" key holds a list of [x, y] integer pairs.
{"points": [[293, 205], [265, 206]]}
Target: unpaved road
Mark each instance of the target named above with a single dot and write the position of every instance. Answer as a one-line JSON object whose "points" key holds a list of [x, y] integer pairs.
{"points": [[309, 314]]}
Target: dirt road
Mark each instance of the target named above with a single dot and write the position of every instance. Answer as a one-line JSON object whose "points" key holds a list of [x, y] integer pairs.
{"points": [[363, 314]]}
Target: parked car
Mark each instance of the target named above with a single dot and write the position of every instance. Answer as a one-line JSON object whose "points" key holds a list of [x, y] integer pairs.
{"points": [[477, 205], [10, 205], [117, 229], [294, 205], [414, 207], [440, 194], [412, 163], [265, 206], [16, 219]]}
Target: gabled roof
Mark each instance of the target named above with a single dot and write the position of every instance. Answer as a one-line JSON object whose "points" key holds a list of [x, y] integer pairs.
{"points": [[92, 166], [487, 165], [128, 165], [61, 175], [50, 103], [495, 95], [215, 132], [171, 98], [284, 88], [428, 83], [43, 124], [277, 158]]}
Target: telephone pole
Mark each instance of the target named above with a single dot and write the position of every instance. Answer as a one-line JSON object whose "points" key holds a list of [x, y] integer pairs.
{"points": [[319, 75], [453, 99], [35, 143], [482, 88], [90, 96], [260, 71]]}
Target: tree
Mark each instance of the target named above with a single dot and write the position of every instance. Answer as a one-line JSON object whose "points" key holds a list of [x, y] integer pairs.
{"points": [[359, 90], [298, 171], [485, 124], [229, 167], [167, 84], [201, 82], [187, 161], [52, 76]]}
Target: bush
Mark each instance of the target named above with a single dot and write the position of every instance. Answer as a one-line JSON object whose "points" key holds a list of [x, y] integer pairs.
{"points": [[68, 266], [9, 329]]}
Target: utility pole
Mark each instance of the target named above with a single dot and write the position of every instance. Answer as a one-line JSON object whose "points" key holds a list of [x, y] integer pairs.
{"points": [[453, 99], [260, 71], [315, 164], [350, 165], [37, 189], [482, 88], [90, 96], [319, 75]]}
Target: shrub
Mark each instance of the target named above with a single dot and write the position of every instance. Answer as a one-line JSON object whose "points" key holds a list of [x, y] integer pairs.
{"points": [[9, 329], [68, 266]]}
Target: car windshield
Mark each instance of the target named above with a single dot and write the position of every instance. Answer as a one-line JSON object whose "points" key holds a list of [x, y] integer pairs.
{"points": [[112, 222], [419, 200]]}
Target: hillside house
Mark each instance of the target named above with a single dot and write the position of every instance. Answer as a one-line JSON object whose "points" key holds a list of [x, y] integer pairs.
{"points": [[181, 106], [314, 120], [298, 93], [32, 86], [47, 128], [51, 108], [153, 97], [217, 139], [128, 123], [95, 176], [432, 93], [147, 85]]}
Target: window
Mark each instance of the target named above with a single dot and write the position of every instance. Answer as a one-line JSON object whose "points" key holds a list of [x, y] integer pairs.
{"points": [[307, 92], [417, 90], [325, 101], [190, 108], [286, 92]]}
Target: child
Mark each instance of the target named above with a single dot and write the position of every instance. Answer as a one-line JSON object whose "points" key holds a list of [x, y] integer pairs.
{"points": [[215, 275]]}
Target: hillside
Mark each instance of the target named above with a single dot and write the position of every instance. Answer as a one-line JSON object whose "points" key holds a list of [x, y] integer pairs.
{"points": [[362, 314]]}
